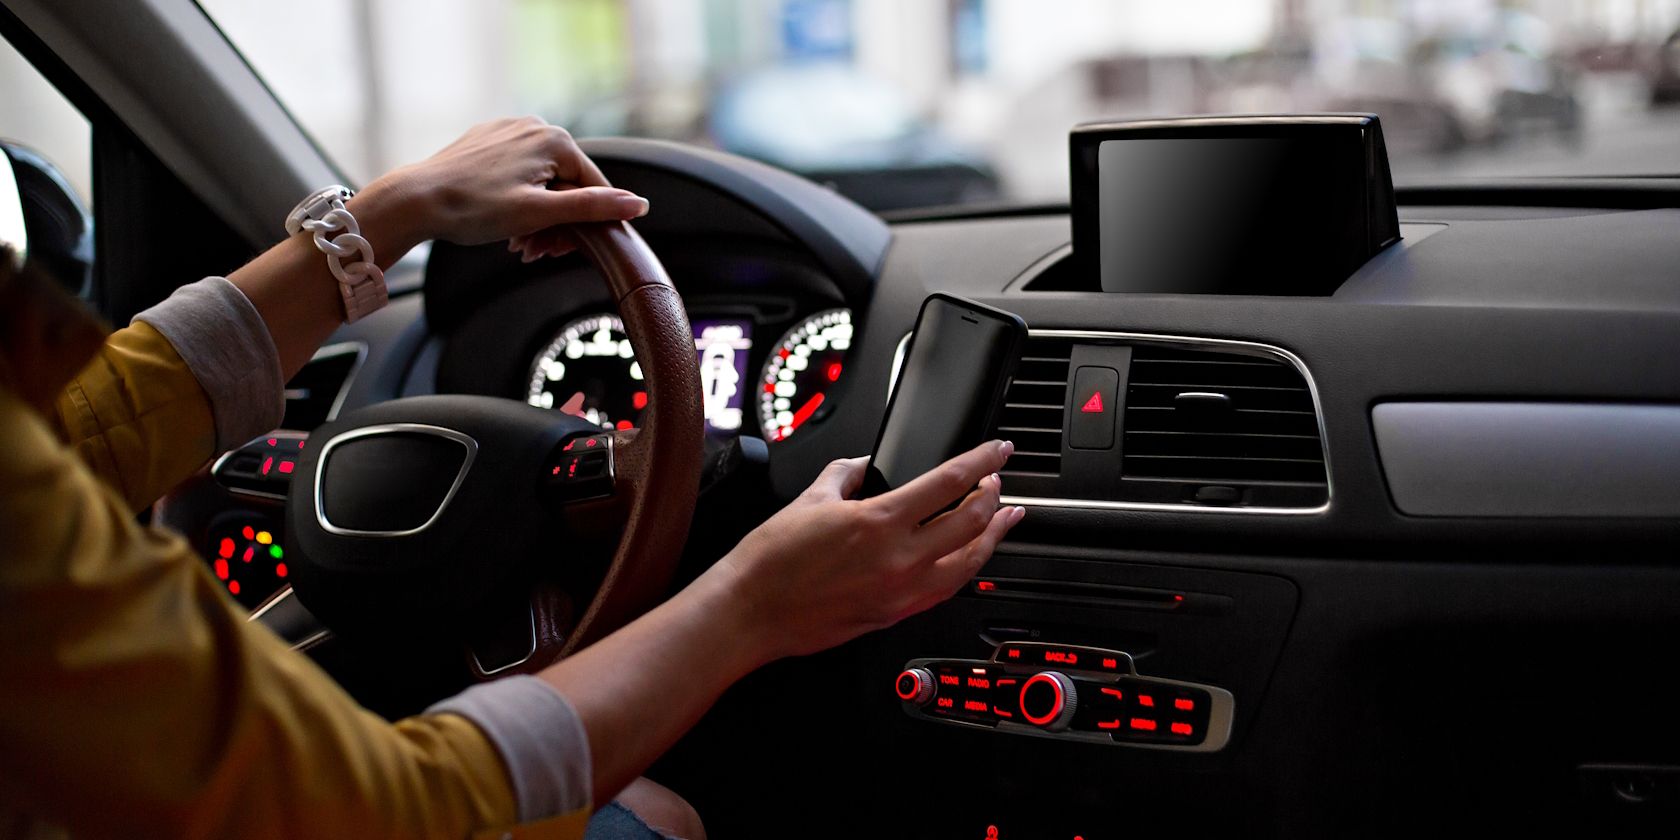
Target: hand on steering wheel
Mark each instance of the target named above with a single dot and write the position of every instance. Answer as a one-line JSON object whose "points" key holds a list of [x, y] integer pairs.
{"points": [[521, 180]]}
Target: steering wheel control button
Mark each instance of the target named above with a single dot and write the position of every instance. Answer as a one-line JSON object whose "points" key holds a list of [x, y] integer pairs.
{"points": [[262, 467], [1094, 406], [1048, 700], [915, 685], [581, 468]]}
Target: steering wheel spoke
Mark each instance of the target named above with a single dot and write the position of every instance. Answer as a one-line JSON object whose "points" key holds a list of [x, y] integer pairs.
{"points": [[429, 511]]}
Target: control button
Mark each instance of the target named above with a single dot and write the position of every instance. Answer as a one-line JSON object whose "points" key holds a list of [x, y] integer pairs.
{"points": [[1069, 657], [1184, 704], [1181, 728], [264, 465], [1091, 423], [1048, 699], [915, 685], [1006, 693], [1143, 724], [581, 468]]}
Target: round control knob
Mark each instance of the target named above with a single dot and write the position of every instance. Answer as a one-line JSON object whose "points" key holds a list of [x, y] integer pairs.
{"points": [[1048, 699], [915, 685]]}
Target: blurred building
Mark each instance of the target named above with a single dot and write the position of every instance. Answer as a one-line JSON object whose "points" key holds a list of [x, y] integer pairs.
{"points": [[952, 99]]}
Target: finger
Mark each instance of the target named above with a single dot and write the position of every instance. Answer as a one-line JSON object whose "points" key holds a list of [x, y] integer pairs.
{"points": [[546, 208], [840, 479], [950, 572], [960, 525], [931, 491], [570, 163]]}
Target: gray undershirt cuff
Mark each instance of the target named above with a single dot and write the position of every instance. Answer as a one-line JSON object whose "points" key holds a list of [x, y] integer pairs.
{"points": [[225, 343], [540, 738]]}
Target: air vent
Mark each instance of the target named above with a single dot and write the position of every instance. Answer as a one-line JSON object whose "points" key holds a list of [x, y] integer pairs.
{"points": [[1222, 425], [314, 395], [1033, 408]]}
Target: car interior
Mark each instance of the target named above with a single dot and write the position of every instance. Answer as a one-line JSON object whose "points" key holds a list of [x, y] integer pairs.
{"points": [[1373, 534]]}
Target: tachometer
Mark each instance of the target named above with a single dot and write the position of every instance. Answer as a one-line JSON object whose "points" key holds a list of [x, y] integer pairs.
{"points": [[589, 370], [801, 372]]}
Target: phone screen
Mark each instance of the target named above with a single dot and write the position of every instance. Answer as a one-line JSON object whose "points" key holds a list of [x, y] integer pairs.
{"points": [[960, 358]]}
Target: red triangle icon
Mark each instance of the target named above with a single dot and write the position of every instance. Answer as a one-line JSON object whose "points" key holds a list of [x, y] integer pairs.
{"points": [[1094, 404]]}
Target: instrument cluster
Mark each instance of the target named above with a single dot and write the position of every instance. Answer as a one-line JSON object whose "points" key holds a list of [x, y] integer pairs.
{"points": [[589, 369]]}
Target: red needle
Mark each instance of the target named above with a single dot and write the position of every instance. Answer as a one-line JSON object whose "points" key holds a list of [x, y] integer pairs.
{"points": [[805, 411]]}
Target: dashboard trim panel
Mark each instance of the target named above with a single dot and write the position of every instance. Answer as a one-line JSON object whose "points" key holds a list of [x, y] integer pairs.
{"points": [[1253, 347]]}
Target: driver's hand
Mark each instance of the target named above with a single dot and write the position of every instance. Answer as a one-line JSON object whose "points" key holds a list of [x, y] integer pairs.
{"points": [[828, 568], [520, 180]]}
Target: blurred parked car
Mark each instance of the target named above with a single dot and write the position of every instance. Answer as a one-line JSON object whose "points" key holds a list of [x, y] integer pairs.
{"points": [[826, 122], [839, 127], [1453, 89], [1665, 81]]}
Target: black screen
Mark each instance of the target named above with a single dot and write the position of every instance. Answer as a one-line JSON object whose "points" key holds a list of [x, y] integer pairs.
{"points": [[1230, 215], [955, 372]]}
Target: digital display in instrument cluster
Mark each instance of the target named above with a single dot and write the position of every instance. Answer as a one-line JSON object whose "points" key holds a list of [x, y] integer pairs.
{"points": [[589, 370], [722, 347]]}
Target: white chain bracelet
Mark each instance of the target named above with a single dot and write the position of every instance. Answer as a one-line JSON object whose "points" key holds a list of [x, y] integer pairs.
{"points": [[361, 282]]}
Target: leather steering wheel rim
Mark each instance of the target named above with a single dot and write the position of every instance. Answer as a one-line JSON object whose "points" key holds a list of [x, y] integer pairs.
{"points": [[658, 466]]}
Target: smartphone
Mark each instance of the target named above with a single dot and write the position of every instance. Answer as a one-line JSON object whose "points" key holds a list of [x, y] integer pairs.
{"points": [[949, 390]]}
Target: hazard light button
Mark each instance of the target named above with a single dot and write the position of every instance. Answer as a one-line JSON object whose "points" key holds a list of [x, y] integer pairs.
{"points": [[1094, 404]]}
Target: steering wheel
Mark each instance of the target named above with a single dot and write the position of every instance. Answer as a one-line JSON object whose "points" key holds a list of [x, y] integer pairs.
{"points": [[411, 515]]}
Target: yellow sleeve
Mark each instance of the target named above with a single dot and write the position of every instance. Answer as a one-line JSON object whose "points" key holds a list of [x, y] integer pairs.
{"points": [[134, 699], [137, 416]]}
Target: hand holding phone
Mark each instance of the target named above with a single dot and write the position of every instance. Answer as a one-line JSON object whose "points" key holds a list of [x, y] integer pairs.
{"points": [[955, 372]]}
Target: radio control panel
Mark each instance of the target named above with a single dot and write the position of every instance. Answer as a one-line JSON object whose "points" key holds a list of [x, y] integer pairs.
{"points": [[1067, 692]]}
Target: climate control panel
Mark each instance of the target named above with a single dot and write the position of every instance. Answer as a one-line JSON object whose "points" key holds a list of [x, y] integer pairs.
{"points": [[1070, 693]]}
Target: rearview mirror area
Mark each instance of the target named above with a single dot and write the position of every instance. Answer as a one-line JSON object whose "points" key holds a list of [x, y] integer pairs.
{"points": [[43, 219], [14, 234]]}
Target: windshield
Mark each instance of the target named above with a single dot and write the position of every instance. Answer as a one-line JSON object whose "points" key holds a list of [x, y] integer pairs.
{"points": [[907, 103]]}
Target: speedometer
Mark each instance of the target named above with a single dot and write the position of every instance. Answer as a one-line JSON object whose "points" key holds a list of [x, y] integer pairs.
{"points": [[590, 370], [801, 372]]}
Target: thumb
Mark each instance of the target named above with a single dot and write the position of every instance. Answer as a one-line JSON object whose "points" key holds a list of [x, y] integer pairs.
{"points": [[839, 479], [583, 204]]}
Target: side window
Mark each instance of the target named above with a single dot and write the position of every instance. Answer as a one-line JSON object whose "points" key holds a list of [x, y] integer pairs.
{"points": [[49, 144]]}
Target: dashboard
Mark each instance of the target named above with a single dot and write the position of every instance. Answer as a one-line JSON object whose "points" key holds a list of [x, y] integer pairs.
{"points": [[1383, 642]]}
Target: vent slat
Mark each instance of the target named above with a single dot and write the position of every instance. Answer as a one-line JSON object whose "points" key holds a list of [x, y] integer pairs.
{"points": [[1032, 409], [313, 394], [1267, 436]]}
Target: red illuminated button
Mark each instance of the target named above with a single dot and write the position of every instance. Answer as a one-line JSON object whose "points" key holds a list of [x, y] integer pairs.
{"points": [[1064, 657], [1143, 724], [914, 685], [1181, 729], [1048, 700], [1091, 425], [1184, 704]]}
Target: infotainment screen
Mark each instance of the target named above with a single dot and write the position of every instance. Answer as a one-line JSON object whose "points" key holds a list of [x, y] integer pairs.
{"points": [[1239, 205]]}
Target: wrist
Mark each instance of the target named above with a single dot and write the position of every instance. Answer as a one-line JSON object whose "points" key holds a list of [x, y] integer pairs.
{"points": [[724, 596], [391, 213]]}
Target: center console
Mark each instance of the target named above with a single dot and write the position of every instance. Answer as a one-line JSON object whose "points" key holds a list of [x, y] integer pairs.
{"points": [[1070, 693]]}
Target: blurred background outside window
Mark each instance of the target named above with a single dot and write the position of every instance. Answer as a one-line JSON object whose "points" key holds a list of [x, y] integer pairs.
{"points": [[903, 103]]}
